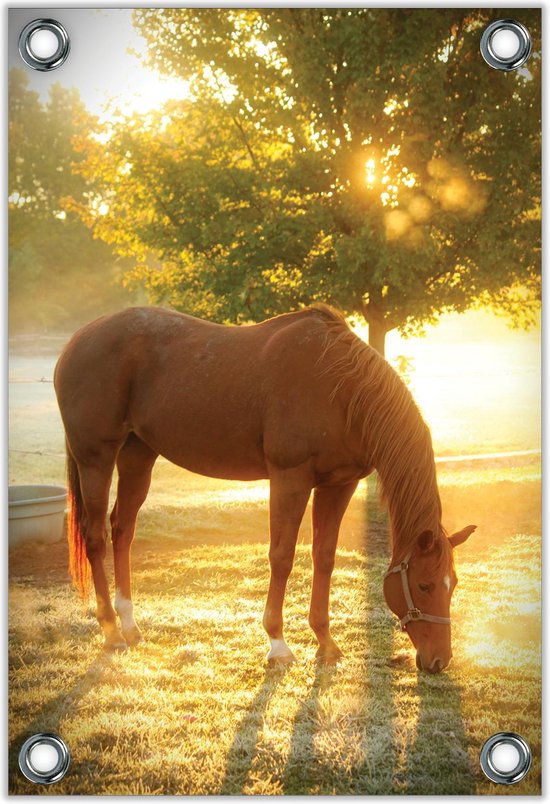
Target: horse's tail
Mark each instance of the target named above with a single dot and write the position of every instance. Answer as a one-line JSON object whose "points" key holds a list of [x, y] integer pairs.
{"points": [[78, 562]]}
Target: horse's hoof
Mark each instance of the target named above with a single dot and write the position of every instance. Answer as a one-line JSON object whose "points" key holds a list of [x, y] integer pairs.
{"points": [[133, 637], [280, 654], [115, 647], [329, 656], [281, 661]]}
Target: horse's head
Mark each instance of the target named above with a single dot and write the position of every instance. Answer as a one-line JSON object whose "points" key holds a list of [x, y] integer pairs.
{"points": [[419, 591]]}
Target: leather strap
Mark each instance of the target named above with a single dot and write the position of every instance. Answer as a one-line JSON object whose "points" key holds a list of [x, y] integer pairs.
{"points": [[413, 612]]}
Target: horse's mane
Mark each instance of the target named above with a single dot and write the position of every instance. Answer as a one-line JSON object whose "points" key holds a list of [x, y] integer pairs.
{"points": [[394, 436]]}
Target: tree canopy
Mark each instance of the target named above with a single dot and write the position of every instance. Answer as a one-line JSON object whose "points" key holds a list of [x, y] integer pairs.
{"points": [[368, 158], [59, 275]]}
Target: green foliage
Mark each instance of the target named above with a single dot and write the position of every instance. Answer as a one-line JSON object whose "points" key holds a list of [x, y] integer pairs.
{"points": [[59, 275], [364, 157]]}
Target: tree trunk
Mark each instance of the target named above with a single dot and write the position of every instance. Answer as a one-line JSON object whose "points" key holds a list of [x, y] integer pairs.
{"points": [[377, 336]]}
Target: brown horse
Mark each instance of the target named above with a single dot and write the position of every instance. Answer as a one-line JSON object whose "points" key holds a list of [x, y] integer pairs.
{"points": [[298, 399]]}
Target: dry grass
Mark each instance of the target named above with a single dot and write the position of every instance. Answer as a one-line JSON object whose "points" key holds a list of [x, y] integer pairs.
{"points": [[195, 710]]}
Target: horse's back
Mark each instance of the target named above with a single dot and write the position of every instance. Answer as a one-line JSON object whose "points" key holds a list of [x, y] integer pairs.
{"points": [[204, 395], [140, 340]]}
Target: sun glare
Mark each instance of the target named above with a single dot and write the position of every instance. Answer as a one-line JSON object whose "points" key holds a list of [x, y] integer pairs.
{"points": [[462, 371], [370, 175], [390, 176], [507, 593], [123, 82]]}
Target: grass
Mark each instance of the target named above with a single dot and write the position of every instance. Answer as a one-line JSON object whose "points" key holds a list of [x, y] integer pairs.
{"points": [[196, 710]]}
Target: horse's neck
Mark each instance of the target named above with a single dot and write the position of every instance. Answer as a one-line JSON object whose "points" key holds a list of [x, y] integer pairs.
{"points": [[409, 488], [388, 431]]}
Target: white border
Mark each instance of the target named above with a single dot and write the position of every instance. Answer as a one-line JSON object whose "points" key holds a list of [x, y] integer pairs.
{"points": [[3, 397]]}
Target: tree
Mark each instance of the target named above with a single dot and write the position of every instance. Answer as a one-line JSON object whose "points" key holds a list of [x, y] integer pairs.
{"points": [[59, 276], [364, 157]]}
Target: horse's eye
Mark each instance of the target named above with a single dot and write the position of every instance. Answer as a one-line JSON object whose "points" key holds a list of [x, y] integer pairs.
{"points": [[424, 587]]}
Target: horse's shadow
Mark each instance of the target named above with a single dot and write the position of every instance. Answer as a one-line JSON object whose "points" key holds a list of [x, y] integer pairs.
{"points": [[242, 751], [304, 769], [433, 760], [439, 725], [307, 768], [432, 757], [50, 718], [410, 736]]}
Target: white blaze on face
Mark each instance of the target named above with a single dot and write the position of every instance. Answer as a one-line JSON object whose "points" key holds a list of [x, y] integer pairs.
{"points": [[125, 610], [447, 582]]}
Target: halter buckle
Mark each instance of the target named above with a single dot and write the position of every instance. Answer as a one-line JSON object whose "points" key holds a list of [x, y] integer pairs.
{"points": [[414, 614], [404, 566]]}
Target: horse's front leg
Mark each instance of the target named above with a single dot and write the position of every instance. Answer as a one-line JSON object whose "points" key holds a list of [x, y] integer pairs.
{"points": [[289, 494], [329, 505]]}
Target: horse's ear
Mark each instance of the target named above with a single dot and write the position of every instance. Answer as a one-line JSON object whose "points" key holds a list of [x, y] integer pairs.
{"points": [[426, 540], [462, 535]]}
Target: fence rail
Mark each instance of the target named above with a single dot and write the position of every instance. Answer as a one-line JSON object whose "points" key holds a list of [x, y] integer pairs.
{"points": [[485, 456]]}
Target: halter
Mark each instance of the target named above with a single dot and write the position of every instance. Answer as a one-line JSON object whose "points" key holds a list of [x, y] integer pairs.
{"points": [[413, 613]]}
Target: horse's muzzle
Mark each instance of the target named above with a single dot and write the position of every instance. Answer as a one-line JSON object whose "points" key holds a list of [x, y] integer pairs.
{"points": [[436, 666]]}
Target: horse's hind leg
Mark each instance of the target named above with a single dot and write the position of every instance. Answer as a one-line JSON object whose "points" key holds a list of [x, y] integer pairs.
{"points": [[329, 505], [134, 463], [95, 481]]}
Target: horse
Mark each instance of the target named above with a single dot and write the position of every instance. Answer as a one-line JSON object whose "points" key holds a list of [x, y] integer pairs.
{"points": [[298, 399]]}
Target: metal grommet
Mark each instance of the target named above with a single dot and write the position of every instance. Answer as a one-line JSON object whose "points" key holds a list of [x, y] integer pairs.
{"points": [[505, 44], [44, 758], [49, 61], [505, 758]]}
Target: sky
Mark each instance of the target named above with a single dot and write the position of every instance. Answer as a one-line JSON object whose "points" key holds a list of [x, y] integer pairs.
{"points": [[99, 63]]}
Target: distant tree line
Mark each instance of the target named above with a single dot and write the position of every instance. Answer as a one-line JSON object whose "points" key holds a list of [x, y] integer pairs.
{"points": [[60, 275]]}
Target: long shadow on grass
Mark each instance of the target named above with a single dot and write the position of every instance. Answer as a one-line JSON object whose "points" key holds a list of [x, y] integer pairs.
{"points": [[51, 716], [360, 762], [374, 776], [437, 759], [243, 748], [304, 769]]}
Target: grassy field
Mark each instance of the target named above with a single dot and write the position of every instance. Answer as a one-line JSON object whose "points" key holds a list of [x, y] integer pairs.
{"points": [[196, 710]]}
